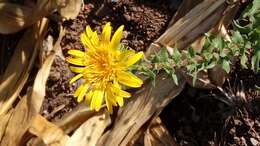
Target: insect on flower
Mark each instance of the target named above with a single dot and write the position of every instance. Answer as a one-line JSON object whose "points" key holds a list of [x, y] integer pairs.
{"points": [[104, 66]]}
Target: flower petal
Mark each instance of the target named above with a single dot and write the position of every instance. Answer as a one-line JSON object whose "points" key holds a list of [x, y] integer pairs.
{"points": [[129, 79], [89, 31], [97, 100], [106, 33], [120, 101], [77, 92], [86, 41], [133, 59], [111, 97], [120, 92], [95, 39], [108, 103], [124, 55], [77, 69], [89, 97], [76, 53], [76, 61], [116, 38], [82, 92], [75, 78]]}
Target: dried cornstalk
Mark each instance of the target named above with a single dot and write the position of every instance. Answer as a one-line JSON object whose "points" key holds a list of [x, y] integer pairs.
{"points": [[4, 119], [90, 131], [188, 28], [73, 119], [157, 135], [50, 133], [29, 106], [20, 65], [16, 17]]}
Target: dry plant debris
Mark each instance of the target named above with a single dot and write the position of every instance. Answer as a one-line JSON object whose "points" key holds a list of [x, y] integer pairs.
{"points": [[53, 31]]}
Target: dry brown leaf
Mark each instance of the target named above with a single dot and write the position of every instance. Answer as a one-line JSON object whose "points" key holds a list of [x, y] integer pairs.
{"points": [[90, 131], [29, 105], [51, 134], [157, 135], [147, 102], [184, 8], [138, 138], [4, 119], [72, 120], [16, 17], [72, 9], [188, 28], [20, 65]]}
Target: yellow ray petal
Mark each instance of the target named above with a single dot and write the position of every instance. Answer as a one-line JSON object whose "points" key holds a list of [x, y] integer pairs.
{"points": [[120, 101], [86, 41], [114, 44], [124, 55], [133, 59], [76, 53], [98, 95], [111, 97], [82, 92], [95, 39], [76, 61], [106, 33], [75, 78], [129, 79], [77, 92], [88, 97], [89, 31], [120, 92], [77, 69], [108, 103]]}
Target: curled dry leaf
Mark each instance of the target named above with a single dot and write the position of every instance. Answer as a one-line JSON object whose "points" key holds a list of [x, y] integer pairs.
{"points": [[184, 8], [72, 120], [90, 131], [16, 17], [20, 65], [72, 9], [4, 119], [29, 105], [51, 134], [150, 100]]}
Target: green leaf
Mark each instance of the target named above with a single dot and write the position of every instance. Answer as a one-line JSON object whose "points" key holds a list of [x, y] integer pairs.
{"points": [[163, 55], [191, 53], [243, 61], [237, 37], [226, 65], [256, 61], [218, 42], [175, 79], [176, 56], [257, 87]]}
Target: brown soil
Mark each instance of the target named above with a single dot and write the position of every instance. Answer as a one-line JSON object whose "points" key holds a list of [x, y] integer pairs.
{"points": [[59, 94], [144, 22]]}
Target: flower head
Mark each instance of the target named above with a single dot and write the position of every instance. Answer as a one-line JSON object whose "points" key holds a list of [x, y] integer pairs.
{"points": [[104, 66]]}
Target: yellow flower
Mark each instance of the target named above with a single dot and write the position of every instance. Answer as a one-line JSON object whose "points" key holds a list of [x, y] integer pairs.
{"points": [[104, 68]]}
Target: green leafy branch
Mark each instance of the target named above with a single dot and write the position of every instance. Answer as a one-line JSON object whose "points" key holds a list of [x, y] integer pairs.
{"points": [[216, 50]]}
